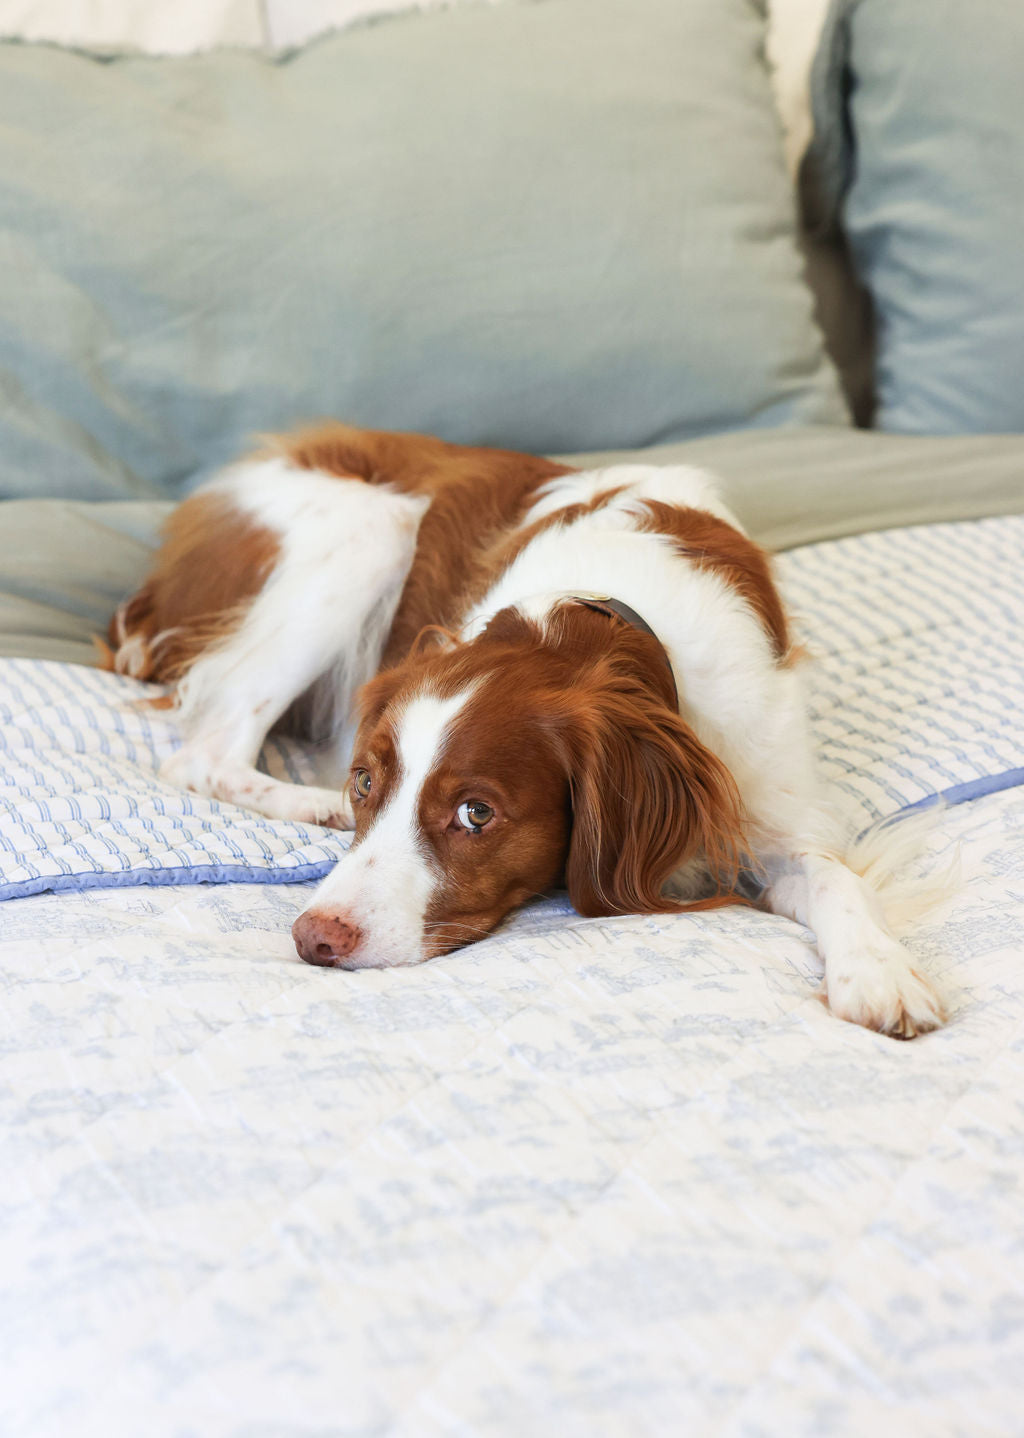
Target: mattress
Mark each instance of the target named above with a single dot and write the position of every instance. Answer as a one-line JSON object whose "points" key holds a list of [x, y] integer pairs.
{"points": [[594, 1177]]}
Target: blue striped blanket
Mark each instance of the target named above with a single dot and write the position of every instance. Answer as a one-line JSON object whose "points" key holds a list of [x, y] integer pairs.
{"points": [[916, 689]]}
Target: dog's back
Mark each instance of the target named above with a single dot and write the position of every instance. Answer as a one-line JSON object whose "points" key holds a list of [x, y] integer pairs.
{"points": [[222, 544]]}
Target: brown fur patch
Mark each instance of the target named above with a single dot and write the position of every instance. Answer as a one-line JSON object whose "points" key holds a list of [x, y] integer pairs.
{"points": [[647, 795], [714, 544], [508, 549], [108, 659], [213, 561]]}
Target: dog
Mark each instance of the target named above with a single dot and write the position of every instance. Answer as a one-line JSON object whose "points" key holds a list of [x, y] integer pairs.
{"points": [[544, 677]]}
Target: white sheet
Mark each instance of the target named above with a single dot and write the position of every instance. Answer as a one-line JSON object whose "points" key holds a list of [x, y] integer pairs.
{"points": [[587, 1177]]}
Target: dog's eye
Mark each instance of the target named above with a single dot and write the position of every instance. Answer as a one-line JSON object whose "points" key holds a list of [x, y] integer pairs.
{"points": [[474, 815], [362, 783]]}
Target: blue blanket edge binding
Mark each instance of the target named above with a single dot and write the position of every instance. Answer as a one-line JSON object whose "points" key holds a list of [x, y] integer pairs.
{"points": [[306, 873]]}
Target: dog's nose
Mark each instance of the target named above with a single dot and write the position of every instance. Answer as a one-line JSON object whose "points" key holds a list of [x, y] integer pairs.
{"points": [[325, 939]]}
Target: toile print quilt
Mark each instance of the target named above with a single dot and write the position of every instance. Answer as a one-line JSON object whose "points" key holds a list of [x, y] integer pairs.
{"points": [[606, 1178]]}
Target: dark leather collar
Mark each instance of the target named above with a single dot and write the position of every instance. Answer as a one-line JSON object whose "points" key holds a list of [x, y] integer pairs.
{"points": [[614, 608]]}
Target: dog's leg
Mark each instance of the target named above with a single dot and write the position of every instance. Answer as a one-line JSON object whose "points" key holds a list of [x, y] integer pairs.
{"points": [[322, 616], [235, 692], [796, 843], [218, 758], [869, 975]]}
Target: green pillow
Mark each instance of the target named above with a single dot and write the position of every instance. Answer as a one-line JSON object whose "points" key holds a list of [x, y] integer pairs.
{"points": [[919, 155], [546, 226]]}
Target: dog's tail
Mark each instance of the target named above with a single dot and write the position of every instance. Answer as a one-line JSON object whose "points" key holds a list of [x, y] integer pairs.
{"points": [[905, 866]]}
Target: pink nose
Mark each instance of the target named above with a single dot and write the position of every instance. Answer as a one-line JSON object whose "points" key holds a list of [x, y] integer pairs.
{"points": [[325, 939]]}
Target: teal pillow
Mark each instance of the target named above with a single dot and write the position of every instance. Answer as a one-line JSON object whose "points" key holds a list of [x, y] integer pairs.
{"points": [[919, 155], [555, 225]]}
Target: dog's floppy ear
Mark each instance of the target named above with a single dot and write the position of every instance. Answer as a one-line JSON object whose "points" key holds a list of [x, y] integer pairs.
{"points": [[647, 796]]}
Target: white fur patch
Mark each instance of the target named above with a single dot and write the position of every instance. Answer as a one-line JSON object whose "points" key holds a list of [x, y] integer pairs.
{"points": [[346, 547], [384, 885], [323, 615], [678, 484]]}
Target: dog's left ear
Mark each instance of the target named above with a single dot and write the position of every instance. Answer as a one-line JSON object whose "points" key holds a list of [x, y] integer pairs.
{"points": [[647, 796]]}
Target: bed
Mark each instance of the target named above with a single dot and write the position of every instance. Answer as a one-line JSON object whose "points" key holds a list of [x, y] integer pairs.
{"points": [[587, 1177], [630, 1175]]}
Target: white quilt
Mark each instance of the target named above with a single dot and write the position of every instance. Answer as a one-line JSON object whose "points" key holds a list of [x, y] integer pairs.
{"points": [[586, 1177]]}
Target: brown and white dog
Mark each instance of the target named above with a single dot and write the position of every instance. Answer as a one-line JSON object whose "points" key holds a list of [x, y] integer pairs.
{"points": [[543, 677]]}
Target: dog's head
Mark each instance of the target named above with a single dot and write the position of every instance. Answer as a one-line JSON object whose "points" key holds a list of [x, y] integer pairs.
{"points": [[486, 773]]}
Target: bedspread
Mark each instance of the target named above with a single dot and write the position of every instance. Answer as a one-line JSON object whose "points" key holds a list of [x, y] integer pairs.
{"points": [[590, 1177], [604, 1178]]}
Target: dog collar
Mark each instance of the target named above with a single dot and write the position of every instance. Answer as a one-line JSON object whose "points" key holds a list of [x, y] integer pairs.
{"points": [[614, 608]]}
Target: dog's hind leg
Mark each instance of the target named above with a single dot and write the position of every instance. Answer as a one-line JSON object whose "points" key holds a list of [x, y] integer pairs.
{"points": [[320, 618]]}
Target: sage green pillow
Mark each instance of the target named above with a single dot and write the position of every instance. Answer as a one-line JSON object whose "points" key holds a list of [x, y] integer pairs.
{"points": [[549, 226]]}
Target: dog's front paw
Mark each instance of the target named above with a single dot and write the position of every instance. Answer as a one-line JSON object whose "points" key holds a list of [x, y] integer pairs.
{"points": [[880, 989]]}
